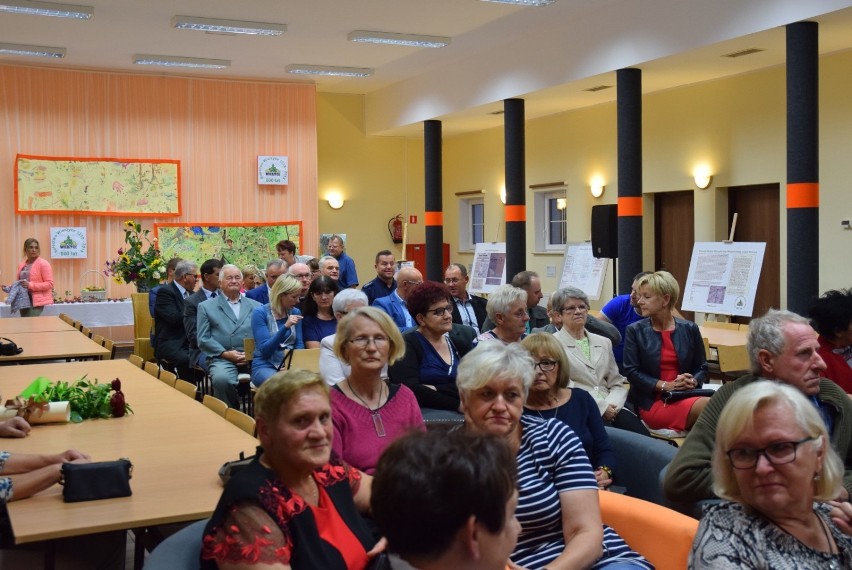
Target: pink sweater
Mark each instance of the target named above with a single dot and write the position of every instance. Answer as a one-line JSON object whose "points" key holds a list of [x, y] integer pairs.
{"points": [[355, 439], [40, 282]]}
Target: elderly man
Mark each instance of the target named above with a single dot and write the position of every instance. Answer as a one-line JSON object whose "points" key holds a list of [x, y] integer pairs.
{"points": [[287, 251], [467, 309], [781, 346], [394, 304], [171, 341], [329, 267], [223, 324], [303, 273], [209, 289], [348, 275], [331, 368], [274, 269], [384, 284]]}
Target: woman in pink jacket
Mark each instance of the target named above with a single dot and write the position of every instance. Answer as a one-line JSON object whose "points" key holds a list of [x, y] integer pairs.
{"points": [[37, 275]]}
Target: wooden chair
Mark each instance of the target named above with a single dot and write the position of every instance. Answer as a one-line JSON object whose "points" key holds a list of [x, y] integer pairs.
{"points": [[244, 388], [215, 404], [136, 360], [185, 387], [142, 347], [721, 325], [307, 359], [168, 377], [707, 354], [77, 325], [733, 360], [152, 369], [86, 331], [110, 346], [143, 324], [98, 339], [66, 318], [744, 328], [243, 421]]}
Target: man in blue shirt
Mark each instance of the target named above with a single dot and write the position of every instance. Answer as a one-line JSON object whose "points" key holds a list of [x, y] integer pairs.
{"points": [[384, 284], [348, 275], [622, 311]]}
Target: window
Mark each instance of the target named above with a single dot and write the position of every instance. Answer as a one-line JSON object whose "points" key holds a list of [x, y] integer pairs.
{"points": [[551, 220], [472, 223]]}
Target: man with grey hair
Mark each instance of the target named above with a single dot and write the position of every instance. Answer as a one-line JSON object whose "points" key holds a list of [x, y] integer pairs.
{"points": [[783, 347], [329, 267], [274, 269], [303, 273], [467, 309], [171, 343], [331, 368], [395, 304]]}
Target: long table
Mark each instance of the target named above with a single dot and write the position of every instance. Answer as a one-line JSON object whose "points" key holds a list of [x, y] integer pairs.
{"points": [[50, 345], [91, 314], [724, 337], [176, 446], [34, 325]]}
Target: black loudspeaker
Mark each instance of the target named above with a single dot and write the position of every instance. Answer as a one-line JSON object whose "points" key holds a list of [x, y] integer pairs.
{"points": [[605, 231]]}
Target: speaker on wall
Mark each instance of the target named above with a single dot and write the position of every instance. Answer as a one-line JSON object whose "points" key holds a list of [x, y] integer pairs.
{"points": [[605, 231]]}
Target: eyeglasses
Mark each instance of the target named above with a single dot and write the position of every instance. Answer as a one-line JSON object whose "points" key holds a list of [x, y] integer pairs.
{"points": [[776, 454], [439, 312], [364, 341], [545, 365], [301, 275], [578, 308], [452, 281]]}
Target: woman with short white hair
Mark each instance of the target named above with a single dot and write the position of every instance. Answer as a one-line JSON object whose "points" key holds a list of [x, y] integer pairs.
{"points": [[507, 309]]}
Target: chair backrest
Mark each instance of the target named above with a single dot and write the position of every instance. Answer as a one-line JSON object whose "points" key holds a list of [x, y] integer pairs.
{"points": [[152, 369], [721, 325], [180, 551], [248, 348], [641, 459], [308, 359], [642, 524], [168, 377], [110, 346], [142, 320], [708, 355], [185, 387], [733, 358], [243, 421], [136, 360], [86, 331], [98, 339], [142, 347], [66, 318], [215, 404]]}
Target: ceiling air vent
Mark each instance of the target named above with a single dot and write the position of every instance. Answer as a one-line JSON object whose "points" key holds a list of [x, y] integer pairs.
{"points": [[742, 52], [598, 88]]}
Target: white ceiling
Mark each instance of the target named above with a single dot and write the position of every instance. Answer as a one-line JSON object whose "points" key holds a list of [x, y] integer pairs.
{"points": [[546, 55]]}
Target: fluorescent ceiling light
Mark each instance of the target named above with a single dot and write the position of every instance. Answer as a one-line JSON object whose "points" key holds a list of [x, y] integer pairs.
{"points": [[330, 70], [36, 51], [175, 61], [227, 26], [524, 2], [47, 9], [413, 40]]}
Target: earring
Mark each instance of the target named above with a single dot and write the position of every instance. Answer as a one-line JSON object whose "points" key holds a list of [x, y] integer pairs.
{"points": [[817, 476]]}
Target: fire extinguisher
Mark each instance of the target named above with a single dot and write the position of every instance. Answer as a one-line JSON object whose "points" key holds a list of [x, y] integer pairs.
{"points": [[395, 228]]}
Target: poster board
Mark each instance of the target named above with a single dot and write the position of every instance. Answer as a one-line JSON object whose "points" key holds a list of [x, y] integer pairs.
{"points": [[68, 243], [489, 267], [723, 277], [581, 269]]}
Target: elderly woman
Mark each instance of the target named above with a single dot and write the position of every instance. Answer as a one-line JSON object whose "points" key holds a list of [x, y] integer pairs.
{"points": [[552, 396], [772, 459], [35, 276], [592, 362], [296, 504], [664, 354], [369, 413], [558, 496], [433, 349], [831, 316], [331, 368], [251, 275], [276, 327], [319, 315], [507, 309]]}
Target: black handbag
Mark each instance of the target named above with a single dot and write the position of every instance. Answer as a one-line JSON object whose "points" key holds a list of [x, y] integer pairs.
{"points": [[672, 396], [9, 348], [95, 481]]}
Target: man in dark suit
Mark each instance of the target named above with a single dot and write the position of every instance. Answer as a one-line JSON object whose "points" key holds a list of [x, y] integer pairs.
{"points": [[394, 304], [171, 342], [467, 309], [274, 269], [209, 289]]}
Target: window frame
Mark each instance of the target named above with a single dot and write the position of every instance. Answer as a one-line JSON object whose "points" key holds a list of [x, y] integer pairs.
{"points": [[542, 202], [467, 231]]}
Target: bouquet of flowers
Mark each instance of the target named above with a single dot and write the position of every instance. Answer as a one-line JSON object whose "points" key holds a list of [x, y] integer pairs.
{"points": [[144, 267]]}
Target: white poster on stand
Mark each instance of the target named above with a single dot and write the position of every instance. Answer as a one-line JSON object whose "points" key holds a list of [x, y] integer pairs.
{"points": [[723, 278], [489, 267], [581, 269]]}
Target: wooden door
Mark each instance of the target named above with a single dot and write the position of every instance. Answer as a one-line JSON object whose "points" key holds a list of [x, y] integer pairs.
{"points": [[758, 208], [674, 235]]}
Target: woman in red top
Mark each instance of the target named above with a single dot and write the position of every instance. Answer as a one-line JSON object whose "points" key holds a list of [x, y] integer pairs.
{"points": [[38, 276], [831, 316]]}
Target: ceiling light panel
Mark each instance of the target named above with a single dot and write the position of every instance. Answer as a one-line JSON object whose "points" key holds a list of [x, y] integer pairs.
{"points": [[177, 61], [330, 70], [33, 51], [227, 26], [523, 2], [413, 40], [47, 9]]}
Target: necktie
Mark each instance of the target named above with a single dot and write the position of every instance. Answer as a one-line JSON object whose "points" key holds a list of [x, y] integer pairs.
{"points": [[185, 294]]}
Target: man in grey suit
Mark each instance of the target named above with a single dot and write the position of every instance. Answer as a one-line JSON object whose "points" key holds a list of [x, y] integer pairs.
{"points": [[209, 289], [223, 324]]}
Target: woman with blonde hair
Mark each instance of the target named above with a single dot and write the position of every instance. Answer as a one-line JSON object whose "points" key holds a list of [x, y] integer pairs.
{"points": [[36, 276], [276, 327]]}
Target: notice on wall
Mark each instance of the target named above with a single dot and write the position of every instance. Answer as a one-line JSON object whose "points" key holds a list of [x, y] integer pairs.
{"points": [[489, 267], [68, 243], [581, 269], [723, 278]]}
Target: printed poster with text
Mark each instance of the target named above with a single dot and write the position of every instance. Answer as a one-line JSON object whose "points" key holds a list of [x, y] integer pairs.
{"points": [[723, 278], [581, 269], [489, 267]]}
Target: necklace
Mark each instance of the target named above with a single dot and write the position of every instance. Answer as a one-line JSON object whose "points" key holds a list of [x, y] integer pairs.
{"points": [[831, 548], [554, 401], [374, 413]]}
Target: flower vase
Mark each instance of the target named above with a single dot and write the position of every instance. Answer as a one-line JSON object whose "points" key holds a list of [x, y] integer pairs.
{"points": [[142, 286]]}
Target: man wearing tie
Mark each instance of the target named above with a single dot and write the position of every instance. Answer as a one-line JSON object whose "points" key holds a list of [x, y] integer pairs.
{"points": [[171, 342], [467, 309], [208, 290]]}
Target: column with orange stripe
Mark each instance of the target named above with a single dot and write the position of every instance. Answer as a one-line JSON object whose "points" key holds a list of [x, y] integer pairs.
{"points": [[515, 165], [629, 114], [434, 215]]}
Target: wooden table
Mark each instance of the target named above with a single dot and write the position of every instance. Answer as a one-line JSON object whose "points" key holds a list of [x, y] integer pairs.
{"points": [[724, 337], [176, 446], [53, 345], [34, 324]]}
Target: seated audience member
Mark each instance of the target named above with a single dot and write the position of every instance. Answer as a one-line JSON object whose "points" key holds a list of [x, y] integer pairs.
{"points": [[557, 493], [555, 317], [831, 316], [223, 324], [274, 269], [287, 251], [23, 474], [783, 347], [394, 304], [250, 277], [171, 343], [332, 369], [313, 264], [384, 284], [296, 505], [621, 311], [208, 290], [276, 327], [432, 349], [552, 396], [329, 267], [319, 316], [170, 275], [303, 273], [507, 310], [367, 413], [772, 460], [592, 363], [465, 494], [467, 309], [348, 275], [663, 353]]}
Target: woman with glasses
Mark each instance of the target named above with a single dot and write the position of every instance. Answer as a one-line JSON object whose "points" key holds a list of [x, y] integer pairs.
{"points": [[433, 349], [319, 316], [551, 396], [367, 412], [507, 309], [772, 461], [592, 362]]}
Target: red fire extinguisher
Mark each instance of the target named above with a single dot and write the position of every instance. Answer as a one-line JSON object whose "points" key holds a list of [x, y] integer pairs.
{"points": [[395, 228]]}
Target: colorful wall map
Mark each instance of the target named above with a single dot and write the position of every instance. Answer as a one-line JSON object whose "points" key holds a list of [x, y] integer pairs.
{"points": [[98, 186], [240, 244]]}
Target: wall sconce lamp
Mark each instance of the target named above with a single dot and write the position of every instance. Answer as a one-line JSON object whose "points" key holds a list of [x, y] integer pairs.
{"points": [[597, 189], [703, 181], [335, 201]]}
